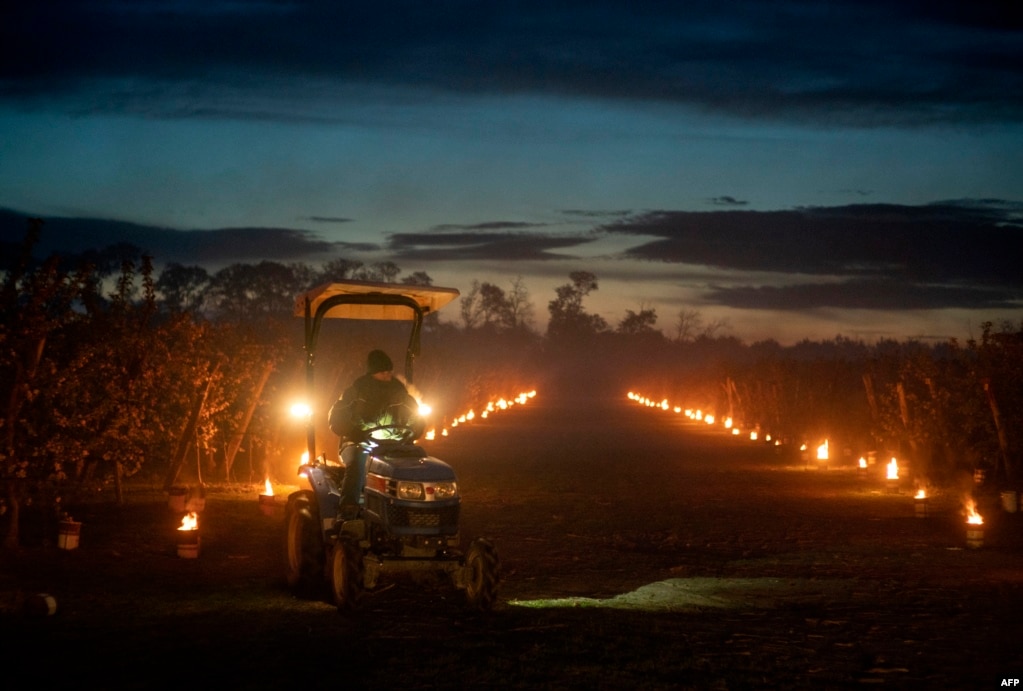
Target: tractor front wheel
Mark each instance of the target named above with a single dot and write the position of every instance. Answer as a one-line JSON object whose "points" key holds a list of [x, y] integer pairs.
{"points": [[483, 573], [346, 573], [303, 545]]}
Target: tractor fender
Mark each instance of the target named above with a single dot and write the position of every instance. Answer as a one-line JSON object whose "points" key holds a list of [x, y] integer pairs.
{"points": [[325, 488]]}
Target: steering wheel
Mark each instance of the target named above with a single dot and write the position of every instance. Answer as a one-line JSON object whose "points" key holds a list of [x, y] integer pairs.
{"points": [[402, 433]]}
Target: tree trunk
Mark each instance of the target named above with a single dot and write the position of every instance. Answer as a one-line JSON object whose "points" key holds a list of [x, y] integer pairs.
{"points": [[23, 377], [118, 484], [1006, 470], [904, 414], [14, 513], [236, 439], [188, 433], [868, 384]]}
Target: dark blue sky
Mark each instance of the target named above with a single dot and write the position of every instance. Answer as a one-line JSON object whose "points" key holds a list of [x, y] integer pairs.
{"points": [[795, 168]]}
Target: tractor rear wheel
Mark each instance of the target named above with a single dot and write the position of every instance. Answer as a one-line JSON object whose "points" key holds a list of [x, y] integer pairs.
{"points": [[303, 545], [346, 573], [483, 573]]}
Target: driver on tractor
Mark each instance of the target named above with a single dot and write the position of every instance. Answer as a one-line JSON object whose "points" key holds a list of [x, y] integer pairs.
{"points": [[376, 407]]}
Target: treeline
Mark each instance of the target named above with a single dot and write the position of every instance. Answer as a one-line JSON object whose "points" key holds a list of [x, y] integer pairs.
{"points": [[109, 370], [945, 409]]}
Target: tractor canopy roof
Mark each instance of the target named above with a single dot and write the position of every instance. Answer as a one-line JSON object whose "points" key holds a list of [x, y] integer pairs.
{"points": [[368, 300]]}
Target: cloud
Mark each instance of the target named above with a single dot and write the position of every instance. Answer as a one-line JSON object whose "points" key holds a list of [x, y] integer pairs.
{"points": [[878, 294], [957, 254], [597, 214], [727, 201], [204, 247], [463, 246], [329, 219], [487, 227], [861, 62], [951, 242]]}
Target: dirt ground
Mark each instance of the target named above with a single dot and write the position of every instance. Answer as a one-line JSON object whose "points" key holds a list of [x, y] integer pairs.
{"points": [[639, 550]]}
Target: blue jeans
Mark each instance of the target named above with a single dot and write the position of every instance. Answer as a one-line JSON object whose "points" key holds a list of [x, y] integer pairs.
{"points": [[354, 457]]}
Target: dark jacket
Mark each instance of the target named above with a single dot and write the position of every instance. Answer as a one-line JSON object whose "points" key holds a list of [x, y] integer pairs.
{"points": [[370, 402]]}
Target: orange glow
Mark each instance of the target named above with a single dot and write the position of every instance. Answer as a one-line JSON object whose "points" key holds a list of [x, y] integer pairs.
{"points": [[822, 451], [190, 521], [972, 517], [301, 410], [431, 435], [920, 494], [893, 469], [268, 489], [863, 462], [492, 406]]}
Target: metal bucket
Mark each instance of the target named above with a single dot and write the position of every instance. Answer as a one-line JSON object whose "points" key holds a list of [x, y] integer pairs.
{"points": [[1010, 501], [68, 533], [188, 544]]}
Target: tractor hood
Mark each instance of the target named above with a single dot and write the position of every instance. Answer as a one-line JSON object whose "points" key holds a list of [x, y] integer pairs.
{"points": [[410, 463]]}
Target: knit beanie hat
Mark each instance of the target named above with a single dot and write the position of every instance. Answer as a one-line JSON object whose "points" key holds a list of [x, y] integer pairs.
{"points": [[377, 361]]}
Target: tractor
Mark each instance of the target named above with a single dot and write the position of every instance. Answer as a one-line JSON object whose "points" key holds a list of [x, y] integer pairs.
{"points": [[409, 518]]}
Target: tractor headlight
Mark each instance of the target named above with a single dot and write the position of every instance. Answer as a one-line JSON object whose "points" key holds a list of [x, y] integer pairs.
{"points": [[445, 490], [411, 490]]}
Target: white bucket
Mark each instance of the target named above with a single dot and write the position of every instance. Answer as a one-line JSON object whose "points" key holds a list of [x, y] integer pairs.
{"points": [[68, 533], [1010, 501], [188, 544], [922, 510]]}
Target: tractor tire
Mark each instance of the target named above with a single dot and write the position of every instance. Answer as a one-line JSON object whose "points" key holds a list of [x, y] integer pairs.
{"points": [[303, 545], [483, 573], [346, 573]]}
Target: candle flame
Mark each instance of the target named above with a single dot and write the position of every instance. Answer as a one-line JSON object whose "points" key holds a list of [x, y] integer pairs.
{"points": [[822, 451], [893, 469], [972, 517], [190, 521]]}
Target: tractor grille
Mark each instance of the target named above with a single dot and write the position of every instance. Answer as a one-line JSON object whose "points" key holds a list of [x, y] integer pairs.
{"points": [[429, 518]]}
